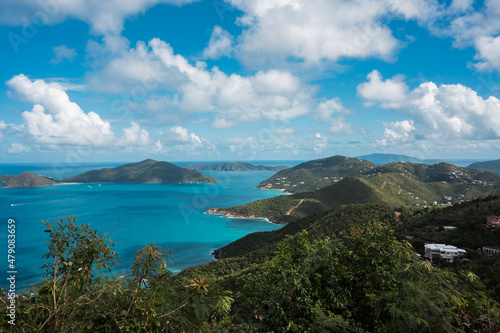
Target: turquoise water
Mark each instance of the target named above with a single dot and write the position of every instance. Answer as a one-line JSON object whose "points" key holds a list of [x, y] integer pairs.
{"points": [[170, 215]]}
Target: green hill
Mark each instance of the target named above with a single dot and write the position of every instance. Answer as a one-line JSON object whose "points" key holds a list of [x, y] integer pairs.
{"points": [[491, 166], [315, 174], [394, 185], [234, 166], [147, 171], [321, 173], [27, 180], [338, 221]]}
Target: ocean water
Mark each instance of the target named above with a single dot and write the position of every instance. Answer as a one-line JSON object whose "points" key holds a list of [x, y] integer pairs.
{"points": [[170, 215]]}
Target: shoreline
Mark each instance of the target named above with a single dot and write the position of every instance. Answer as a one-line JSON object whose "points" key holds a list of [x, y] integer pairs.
{"points": [[231, 215]]}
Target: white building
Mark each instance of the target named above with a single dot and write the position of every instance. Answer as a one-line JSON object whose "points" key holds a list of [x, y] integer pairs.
{"points": [[446, 252]]}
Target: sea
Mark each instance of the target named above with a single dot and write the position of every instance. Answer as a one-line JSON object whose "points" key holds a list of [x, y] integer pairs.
{"points": [[169, 215]]}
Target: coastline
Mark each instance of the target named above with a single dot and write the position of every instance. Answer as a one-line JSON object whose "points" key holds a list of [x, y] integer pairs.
{"points": [[232, 215]]}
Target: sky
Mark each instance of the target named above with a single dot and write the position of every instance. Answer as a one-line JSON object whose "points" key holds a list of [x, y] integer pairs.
{"points": [[187, 80]]}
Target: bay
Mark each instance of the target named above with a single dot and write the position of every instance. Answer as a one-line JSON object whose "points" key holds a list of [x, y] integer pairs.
{"points": [[170, 215]]}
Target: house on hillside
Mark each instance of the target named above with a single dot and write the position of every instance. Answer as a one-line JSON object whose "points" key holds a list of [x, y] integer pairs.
{"points": [[446, 252], [491, 250], [493, 222]]}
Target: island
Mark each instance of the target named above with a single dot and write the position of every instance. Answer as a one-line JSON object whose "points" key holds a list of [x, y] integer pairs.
{"points": [[491, 166], [146, 172], [28, 180], [235, 166]]}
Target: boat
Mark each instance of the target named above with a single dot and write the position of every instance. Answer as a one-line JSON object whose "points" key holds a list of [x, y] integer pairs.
{"points": [[89, 186]]}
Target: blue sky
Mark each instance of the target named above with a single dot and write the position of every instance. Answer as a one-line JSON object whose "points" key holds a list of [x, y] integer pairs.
{"points": [[90, 80]]}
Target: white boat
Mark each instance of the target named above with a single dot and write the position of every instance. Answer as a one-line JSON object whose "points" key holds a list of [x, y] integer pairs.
{"points": [[89, 186]]}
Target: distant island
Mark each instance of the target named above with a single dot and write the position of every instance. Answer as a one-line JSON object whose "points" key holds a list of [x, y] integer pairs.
{"points": [[381, 159], [27, 180], [234, 166], [491, 166], [147, 171]]}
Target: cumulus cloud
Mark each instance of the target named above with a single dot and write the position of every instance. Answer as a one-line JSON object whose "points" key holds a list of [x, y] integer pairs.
{"points": [[325, 112], [181, 134], [488, 53], [55, 120], [220, 44], [179, 139], [397, 132], [62, 53], [233, 98], [390, 92], [325, 109], [134, 135], [104, 17], [448, 111], [17, 148], [317, 30]]}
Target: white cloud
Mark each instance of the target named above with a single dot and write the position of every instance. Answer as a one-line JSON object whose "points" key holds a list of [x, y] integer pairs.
{"points": [[488, 53], [220, 44], [17, 148], [179, 140], [446, 112], [133, 136], [104, 17], [397, 132], [230, 98], [55, 120], [339, 126], [317, 30], [181, 134], [2, 127], [390, 92], [325, 109], [62, 53]]}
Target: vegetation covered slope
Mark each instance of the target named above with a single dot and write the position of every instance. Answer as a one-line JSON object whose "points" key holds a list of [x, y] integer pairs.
{"points": [[234, 166], [147, 171], [491, 166], [27, 180], [315, 174], [5, 178], [391, 185]]}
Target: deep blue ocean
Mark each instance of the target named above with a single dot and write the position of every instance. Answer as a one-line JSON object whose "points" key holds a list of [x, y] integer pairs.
{"points": [[170, 215]]}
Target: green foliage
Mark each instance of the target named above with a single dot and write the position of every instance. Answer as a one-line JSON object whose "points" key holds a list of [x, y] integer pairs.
{"points": [[368, 282], [76, 297]]}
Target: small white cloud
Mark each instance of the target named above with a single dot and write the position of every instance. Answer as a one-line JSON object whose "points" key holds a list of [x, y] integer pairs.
{"points": [[325, 110], [134, 136], [222, 123], [340, 126], [2, 127], [62, 53], [181, 134], [220, 44], [389, 92], [17, 148], [488, 53]]}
